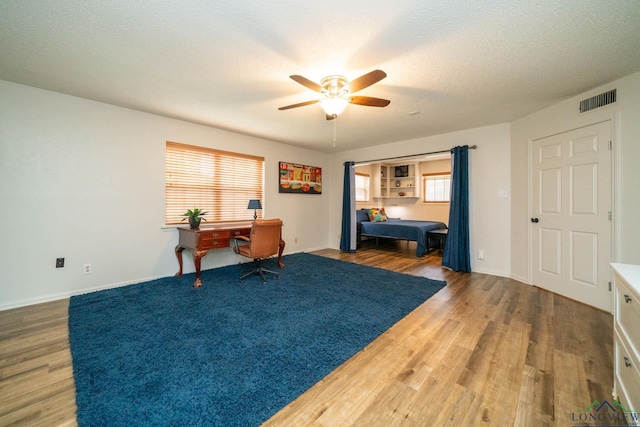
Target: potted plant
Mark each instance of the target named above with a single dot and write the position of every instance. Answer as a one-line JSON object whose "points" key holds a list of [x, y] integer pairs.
{"points": [[194, 216]]}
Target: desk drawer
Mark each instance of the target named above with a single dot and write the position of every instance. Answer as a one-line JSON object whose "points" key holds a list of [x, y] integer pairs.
{"points": [[212, 234], [246, 232], [214, 239]]}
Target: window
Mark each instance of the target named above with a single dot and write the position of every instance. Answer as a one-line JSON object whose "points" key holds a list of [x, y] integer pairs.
{"points": [[437, 188], [362, 187], [219, 182]]}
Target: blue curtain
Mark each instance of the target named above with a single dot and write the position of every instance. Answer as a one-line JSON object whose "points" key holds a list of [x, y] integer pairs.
{"points": [[348, 235], [456, 252]]}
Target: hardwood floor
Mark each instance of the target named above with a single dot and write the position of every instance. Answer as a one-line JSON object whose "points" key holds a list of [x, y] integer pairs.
{"points": [[36, 378], [483, 351]]}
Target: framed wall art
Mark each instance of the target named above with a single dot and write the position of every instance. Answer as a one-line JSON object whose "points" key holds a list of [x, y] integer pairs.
{"points": [[303, 179]]}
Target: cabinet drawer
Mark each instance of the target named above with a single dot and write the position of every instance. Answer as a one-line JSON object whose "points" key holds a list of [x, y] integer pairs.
{"points": [[627, 377], [627, 315]]}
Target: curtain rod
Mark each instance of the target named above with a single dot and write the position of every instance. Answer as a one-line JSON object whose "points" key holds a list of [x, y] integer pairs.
{"points": [[471, 147]]}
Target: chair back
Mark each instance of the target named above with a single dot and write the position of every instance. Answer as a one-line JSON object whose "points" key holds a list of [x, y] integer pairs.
{"points": [[265, 237]]}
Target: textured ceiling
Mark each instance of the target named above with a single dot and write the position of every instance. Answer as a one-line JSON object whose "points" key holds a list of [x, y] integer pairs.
{"points": [[225, 63]]}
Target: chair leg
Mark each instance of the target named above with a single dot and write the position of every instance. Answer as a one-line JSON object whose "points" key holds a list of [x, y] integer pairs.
{"points": [[264, 270], [260, 271], [248, 274]]}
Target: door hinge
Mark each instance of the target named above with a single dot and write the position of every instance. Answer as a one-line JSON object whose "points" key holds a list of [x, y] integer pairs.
{"points": [[610, 145], [610, 216], [609, 286]]}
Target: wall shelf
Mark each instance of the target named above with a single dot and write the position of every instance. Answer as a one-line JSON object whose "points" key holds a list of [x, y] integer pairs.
{"points": [[397, 200], [390, 184]]}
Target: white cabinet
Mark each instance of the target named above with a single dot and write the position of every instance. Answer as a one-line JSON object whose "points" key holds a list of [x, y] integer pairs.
{"points": [[626, 328]]}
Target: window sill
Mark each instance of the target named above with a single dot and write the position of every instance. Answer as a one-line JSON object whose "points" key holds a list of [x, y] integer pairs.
{"points": [[203, 225]]}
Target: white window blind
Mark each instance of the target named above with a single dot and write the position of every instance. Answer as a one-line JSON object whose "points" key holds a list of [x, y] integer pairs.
{"points": [[362, 187], [219, 182], [437, 188]]}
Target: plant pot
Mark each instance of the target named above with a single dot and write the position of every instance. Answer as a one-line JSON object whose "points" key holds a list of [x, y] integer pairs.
{"points": [[194, 222]]}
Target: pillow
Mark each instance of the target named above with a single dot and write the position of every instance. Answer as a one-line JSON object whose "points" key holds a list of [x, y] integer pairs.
{"points": [[362, 215], [384, 214], [377, 215]]}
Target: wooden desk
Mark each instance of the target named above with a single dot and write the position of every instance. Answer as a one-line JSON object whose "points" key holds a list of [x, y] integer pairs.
{"points": [[201, 240]]}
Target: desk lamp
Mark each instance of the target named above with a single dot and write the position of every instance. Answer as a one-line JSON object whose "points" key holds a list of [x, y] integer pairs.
{"points": [[255, 205]]}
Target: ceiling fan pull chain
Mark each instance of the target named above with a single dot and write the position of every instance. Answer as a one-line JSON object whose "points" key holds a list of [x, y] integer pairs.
{"points": [[335, 123]]}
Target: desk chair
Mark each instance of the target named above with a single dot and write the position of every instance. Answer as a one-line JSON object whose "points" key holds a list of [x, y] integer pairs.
{"points": [[263, 242]]}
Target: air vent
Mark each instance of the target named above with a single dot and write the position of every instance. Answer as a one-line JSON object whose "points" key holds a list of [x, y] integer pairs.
{"points": [[598, 101]]}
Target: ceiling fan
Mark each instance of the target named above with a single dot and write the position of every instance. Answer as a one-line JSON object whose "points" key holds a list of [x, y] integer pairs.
{"points": [[337, 90]]}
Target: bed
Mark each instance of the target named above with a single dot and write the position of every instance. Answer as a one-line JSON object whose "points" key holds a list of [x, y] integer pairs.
{"points": [[397, 229]]}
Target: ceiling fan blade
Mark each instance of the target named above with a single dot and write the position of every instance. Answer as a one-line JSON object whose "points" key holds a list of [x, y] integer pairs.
{"points": [[368, 101], [302, 104], [307, 83], [365, 80]]}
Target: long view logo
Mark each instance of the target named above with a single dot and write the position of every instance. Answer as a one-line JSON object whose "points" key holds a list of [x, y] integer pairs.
{"points": [[605, 414]]}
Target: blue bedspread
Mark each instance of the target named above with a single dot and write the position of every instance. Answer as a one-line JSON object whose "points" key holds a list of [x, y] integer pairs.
{"points": [[403, 229]]}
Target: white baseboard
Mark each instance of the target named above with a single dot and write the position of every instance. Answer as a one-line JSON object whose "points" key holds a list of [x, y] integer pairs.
{"points": [[313, 249], [63, 295], [491, 272], [520, 279]]}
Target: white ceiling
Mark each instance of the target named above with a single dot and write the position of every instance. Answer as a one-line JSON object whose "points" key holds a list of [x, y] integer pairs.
{"points": [[226, 63]]}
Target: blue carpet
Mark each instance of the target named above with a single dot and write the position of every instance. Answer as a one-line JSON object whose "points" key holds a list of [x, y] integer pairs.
{"points": [[230, 354]]}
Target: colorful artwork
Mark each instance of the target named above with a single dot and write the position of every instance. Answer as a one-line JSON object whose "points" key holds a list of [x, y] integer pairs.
{"points": [[303, 179]]}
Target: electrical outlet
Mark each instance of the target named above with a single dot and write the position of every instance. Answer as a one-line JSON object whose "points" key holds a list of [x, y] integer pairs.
{"points": [[86, 269], [59, 262], [481, 254]]}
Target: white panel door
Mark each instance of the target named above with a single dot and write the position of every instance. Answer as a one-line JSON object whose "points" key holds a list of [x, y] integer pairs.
{"points": [[571, 202]]}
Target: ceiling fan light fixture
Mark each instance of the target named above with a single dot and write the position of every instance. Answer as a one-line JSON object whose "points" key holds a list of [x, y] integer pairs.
{"points": [[336, 92], [333, 106]]}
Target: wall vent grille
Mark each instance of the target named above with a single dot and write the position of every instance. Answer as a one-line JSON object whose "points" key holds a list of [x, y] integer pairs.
{"points": [[598, 101]]}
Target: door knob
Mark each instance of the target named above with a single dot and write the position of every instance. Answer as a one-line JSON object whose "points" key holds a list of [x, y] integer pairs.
{"points": [[534, 220]]}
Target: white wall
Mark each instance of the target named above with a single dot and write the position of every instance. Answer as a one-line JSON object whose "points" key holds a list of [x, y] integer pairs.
{"points": [[625, 116], [489, 172], [84, 180]]}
